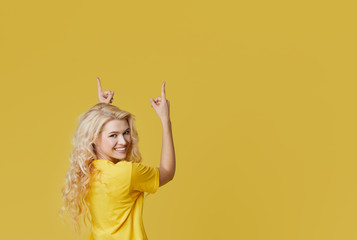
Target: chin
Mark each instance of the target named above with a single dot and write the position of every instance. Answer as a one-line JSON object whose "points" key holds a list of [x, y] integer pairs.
{"points": [[120, 157]]}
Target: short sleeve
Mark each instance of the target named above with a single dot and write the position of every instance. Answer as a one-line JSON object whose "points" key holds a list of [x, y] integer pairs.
{"points": [[144, 178]]}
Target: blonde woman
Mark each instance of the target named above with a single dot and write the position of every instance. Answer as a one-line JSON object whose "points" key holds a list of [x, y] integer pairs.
{"points": [[106, 180]]}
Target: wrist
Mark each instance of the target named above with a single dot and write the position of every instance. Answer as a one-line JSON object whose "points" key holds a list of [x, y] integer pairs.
{"points": [[165, 121]]}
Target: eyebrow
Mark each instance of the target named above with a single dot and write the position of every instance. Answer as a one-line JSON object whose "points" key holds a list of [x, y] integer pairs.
{"points": [[118, 132]]}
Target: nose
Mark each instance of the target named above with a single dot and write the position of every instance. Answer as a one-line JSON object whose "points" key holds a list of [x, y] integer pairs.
{"points": [[121, 140]]}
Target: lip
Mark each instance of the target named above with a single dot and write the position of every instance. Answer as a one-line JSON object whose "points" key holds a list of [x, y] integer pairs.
{"points": [[122, 151]]}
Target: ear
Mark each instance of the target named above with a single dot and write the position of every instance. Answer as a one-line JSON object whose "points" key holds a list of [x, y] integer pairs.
{"points": [[94, 149], [95, 142]]}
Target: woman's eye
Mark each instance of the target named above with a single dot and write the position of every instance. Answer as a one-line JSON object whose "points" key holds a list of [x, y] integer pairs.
{"points": [[117, 135]]}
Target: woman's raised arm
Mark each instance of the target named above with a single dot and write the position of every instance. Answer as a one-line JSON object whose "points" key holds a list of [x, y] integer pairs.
{"points": [[168, 162]]}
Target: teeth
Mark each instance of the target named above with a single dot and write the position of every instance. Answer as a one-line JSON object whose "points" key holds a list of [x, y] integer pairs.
{"points": [[119, 149]]}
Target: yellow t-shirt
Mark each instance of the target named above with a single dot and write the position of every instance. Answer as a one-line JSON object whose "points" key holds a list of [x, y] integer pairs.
{"points": [[116, 199]]}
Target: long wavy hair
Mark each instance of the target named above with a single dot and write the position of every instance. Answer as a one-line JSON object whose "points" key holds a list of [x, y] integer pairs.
{"points": [[81, 170]]}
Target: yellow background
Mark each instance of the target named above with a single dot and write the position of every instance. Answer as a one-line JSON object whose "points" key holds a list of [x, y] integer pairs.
{"points": [[263, 109]]}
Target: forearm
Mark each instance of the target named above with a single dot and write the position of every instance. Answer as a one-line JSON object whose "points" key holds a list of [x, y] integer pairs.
{"points": [[168, 161]]}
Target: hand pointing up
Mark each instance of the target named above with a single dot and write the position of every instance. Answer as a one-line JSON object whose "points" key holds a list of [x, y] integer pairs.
{"points": [[161, 105], [104, 97]]}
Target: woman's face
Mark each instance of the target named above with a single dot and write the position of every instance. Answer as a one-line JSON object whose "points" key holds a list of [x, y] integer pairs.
{"points": [[114, 136]]}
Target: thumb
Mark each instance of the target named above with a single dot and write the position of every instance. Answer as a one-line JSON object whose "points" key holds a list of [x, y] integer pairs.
{"points": [[111, 98], [152, 103]]}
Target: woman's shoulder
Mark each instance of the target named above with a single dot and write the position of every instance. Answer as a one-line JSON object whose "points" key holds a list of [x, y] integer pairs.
{"points": [[109, 169]]}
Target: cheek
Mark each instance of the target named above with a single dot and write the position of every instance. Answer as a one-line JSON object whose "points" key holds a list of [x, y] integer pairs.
{"points": [[109, 143]]}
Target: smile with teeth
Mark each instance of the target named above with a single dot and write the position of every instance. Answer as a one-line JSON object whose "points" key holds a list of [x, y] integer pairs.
{"points": [[120, 149]]}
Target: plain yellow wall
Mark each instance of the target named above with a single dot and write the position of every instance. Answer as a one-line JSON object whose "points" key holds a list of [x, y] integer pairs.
{"points": [[263, 108]]}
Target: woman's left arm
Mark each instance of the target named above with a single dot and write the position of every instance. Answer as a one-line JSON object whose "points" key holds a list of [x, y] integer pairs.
{"points": [[106, 96]]}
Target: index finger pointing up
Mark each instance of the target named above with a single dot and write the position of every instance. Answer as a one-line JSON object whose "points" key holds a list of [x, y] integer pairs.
{"points": [[163, 94], [99, 86]]}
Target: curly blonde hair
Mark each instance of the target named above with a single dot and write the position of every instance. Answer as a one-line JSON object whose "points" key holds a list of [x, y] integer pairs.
{"points": [[81, 170]]}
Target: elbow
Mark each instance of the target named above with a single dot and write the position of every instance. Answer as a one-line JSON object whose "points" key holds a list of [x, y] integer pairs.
{"points": [[173, 173], [172, 176]]}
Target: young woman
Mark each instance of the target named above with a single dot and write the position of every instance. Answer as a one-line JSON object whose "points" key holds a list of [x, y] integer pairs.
{"points": [[106, 180]]}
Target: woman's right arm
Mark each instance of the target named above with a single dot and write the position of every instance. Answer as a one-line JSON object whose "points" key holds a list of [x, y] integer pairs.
{"points": [[167, 163]]}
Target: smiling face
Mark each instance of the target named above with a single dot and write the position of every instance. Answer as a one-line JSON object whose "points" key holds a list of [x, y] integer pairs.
{"points": [[115, 135]]}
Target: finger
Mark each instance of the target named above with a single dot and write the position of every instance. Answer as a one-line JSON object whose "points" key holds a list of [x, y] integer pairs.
{"points": [[106, 93], [152, 103], [163, 93], [111, 96], [99, 85]]}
